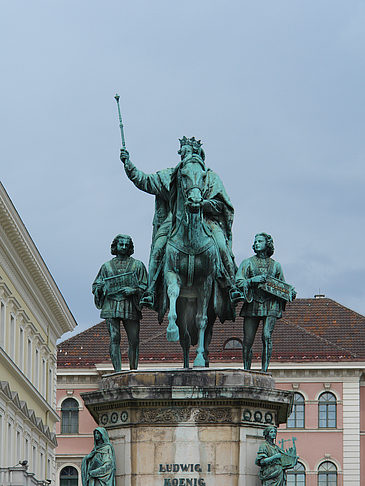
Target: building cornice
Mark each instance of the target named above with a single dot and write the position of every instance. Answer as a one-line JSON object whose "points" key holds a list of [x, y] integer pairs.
{"points": [[8, 363], [336, 368], [27, 413], [31, 270]]}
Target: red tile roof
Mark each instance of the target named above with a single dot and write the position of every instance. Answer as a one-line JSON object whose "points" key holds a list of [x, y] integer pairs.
{"points": [[317, 329]]}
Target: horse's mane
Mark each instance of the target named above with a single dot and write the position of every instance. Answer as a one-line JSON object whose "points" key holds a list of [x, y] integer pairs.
{"points": [[174, 184]]}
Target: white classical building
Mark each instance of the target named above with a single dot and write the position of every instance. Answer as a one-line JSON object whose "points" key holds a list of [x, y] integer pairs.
{"points": [[33, 315]]}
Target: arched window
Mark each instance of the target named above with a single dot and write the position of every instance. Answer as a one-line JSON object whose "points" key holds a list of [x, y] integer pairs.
{"points": [[327, 406], [69, 416], [296, 418], [233, 343], [296, 476], [327, 474], [69, 476]]}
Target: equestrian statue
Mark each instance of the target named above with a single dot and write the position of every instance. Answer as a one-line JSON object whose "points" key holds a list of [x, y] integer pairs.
{"points": [[191, 267]]}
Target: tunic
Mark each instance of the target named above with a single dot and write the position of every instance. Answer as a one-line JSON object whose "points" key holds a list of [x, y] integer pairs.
{"points": [[117, 305], [260, 303]]}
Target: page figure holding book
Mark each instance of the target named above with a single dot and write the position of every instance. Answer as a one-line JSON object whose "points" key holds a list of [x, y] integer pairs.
{"points": [[261, 280], [117, 291]]}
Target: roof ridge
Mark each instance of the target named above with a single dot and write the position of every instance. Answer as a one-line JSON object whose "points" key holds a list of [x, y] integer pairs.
{"points": [[347, 308], [80, 333], [151, 338], [327, 341], [332, 301], [159, 333]]}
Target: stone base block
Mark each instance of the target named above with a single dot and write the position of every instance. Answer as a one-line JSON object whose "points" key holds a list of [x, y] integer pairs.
{"points": [[199, 427]]}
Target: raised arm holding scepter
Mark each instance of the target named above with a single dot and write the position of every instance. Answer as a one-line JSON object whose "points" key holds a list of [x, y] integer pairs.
{"points": [[175, 219], [117, 97]]}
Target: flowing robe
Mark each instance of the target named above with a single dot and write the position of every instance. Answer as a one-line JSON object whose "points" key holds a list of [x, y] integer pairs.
{"points": [[218, 215], [272, 474], [98, 467], [163, 184]]}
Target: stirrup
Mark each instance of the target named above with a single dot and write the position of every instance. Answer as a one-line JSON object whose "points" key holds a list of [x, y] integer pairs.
{"points": [[236, 295], [147, 300]]}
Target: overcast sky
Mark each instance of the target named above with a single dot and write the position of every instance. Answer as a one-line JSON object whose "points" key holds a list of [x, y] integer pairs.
{"points": [[275, 90]]}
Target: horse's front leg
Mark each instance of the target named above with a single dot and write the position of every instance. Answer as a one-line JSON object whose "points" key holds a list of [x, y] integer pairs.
{"points": [[173, 291], [202, 319]]}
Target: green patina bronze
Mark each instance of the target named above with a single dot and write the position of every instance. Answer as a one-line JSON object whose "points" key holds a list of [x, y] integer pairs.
{"points": [[261, 280], [121, 126], [191, 266], [273, 460], [98, 467], [117, 291]]}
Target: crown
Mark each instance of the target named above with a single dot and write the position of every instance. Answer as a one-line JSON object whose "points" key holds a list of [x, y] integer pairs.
{"points": [[196, 144]]}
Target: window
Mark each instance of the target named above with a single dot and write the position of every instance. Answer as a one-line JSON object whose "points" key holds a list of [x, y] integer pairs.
{"points": [[69, 416], [233, 344], [10, 443], [44, 376], [2, 445], [2, 437], [68, 476], [296, 476], [18, 444], [327, 410], [327, 474], [12, 337], [296, 418], [42, 465], [21, 348], [50, 396], [29, 358], [34, 460], [36, 369], [2, 324], [26, 449]]}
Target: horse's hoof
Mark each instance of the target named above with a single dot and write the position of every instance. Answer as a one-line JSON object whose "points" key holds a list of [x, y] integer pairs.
{"points": [[199, 362], [172, 335]]}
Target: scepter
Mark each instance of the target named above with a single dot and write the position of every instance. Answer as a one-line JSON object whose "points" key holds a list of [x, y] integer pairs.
{"points": [[116, 97]]}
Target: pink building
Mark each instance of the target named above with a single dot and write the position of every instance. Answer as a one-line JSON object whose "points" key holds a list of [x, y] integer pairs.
{"points": [[319, 354]]}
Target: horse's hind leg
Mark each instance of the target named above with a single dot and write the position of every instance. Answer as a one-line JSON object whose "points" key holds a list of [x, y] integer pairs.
{"points": [[209, 333], [186, 315], [207, 339], [202, 320], [173, 290], [185, 344]]}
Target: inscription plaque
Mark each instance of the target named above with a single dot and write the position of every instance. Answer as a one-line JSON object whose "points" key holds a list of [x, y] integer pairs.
{"points": [[179, 468]]}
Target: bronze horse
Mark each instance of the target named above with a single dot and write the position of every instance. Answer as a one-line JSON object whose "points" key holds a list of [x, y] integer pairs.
{"points": [[190, 269]]}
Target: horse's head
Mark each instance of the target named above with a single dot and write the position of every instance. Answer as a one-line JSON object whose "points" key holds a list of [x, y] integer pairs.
{"points": [[192, 177]]}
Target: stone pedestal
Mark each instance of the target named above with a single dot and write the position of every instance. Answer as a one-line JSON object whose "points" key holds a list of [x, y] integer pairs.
{"points": [[198, 427]]}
